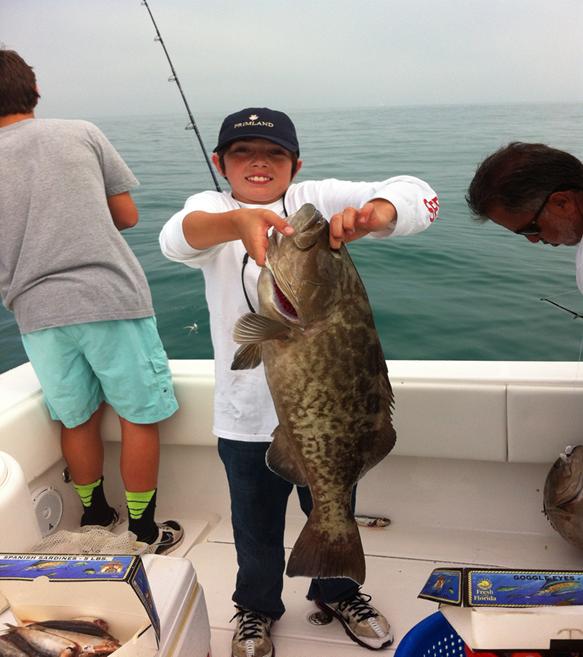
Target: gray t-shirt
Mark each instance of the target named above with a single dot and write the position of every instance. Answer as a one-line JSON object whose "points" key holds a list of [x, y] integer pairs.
{"points": [[62, 260]]}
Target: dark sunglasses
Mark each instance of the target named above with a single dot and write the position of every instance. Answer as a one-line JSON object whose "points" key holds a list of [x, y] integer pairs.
{"points": [[532, 227]]}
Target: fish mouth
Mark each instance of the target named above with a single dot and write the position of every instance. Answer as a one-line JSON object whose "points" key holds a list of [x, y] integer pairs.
{"points": [[281, 301]]}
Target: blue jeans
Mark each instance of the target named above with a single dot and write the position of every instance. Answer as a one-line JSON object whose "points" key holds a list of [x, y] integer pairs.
{"points": [[258, 505]]}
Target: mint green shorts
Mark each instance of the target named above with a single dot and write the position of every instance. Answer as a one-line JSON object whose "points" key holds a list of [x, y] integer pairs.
{"points": [[121, 362]]}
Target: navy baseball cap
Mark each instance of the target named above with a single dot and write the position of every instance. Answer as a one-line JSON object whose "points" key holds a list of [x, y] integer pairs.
{"points": [[259, 123]]}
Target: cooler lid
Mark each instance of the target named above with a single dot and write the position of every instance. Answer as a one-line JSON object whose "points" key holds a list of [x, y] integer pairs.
{"points": [[172, 580]]}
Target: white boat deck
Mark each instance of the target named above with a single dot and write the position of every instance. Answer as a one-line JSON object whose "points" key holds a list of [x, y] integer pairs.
{"points": [[399, 560], [464, 487], [471, 530]]}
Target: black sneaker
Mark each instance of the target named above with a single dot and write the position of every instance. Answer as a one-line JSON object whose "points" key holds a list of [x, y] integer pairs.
{"points": [[363, 623], [252, 636], [108, 521], [170, 535]]}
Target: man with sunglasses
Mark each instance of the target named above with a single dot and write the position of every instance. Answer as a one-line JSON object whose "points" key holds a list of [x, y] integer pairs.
{"points": [[535, 191]]}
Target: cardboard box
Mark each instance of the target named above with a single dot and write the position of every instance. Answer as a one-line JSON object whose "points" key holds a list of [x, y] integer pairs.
{"points": [[510, 609], [36, 587]]}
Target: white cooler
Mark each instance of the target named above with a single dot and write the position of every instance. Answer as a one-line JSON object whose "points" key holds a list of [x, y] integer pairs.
{"points": [[179, 600], [19, 529]]}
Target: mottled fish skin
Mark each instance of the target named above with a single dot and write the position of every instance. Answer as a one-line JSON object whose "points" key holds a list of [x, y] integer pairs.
{"points": [[563, 495], [329, 382]]}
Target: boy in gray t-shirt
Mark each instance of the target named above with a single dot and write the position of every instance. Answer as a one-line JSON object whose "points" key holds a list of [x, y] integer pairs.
{"points": [[81, 299]]}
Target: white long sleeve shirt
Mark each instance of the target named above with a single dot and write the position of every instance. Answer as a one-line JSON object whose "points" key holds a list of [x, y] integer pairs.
{"points": [[243, 408]]}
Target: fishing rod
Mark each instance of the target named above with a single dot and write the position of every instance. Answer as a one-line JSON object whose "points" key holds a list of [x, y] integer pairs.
{"points": [[558, 305], [174, 78]]}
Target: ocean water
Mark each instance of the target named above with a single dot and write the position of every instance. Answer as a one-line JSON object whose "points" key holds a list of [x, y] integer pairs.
{"points": [[459, 291]]}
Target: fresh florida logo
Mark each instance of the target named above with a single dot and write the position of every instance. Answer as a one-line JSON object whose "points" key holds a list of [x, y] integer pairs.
{"points": [[484, 584]]}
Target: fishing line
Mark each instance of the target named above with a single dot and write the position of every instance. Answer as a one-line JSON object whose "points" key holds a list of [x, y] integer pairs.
{"points": [[580, 350], [174, 78], [577, 376], [574, 315]]}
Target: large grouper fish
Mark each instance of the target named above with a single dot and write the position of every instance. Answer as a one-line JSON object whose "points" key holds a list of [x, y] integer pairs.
{"points": [[563, 495], [328, 377]]}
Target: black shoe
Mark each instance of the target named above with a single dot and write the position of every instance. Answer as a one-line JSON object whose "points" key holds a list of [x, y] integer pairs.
{"points": [[170, 535]]}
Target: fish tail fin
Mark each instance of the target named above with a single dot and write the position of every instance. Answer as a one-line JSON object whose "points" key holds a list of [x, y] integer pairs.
{"points": [[314, 555]]}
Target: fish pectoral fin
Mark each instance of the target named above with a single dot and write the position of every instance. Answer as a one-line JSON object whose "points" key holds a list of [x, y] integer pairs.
{"points": [[247, 357], [257, 328], [281, 459]]}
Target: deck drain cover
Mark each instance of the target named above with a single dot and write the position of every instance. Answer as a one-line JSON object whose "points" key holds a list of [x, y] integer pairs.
{"points": [[320, 618], [48, 507]]}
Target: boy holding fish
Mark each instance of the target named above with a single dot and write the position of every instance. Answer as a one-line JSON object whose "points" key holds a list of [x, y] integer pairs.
{"points": [[258, 153], [81, 299]]}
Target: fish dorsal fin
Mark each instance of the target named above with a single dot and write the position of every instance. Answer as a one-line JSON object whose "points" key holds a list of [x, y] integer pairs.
{"points": [[380, 444], [253, 328], [247, 357], [281, 459], [375, 446]]}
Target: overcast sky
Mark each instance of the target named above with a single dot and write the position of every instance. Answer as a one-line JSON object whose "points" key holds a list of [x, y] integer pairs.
{"points": [[98, 57]]}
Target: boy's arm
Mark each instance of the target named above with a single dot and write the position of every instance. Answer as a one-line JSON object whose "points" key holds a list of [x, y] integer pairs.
{"points": [[123, 210], [415, 202], [118, 178], [203, 230]]}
